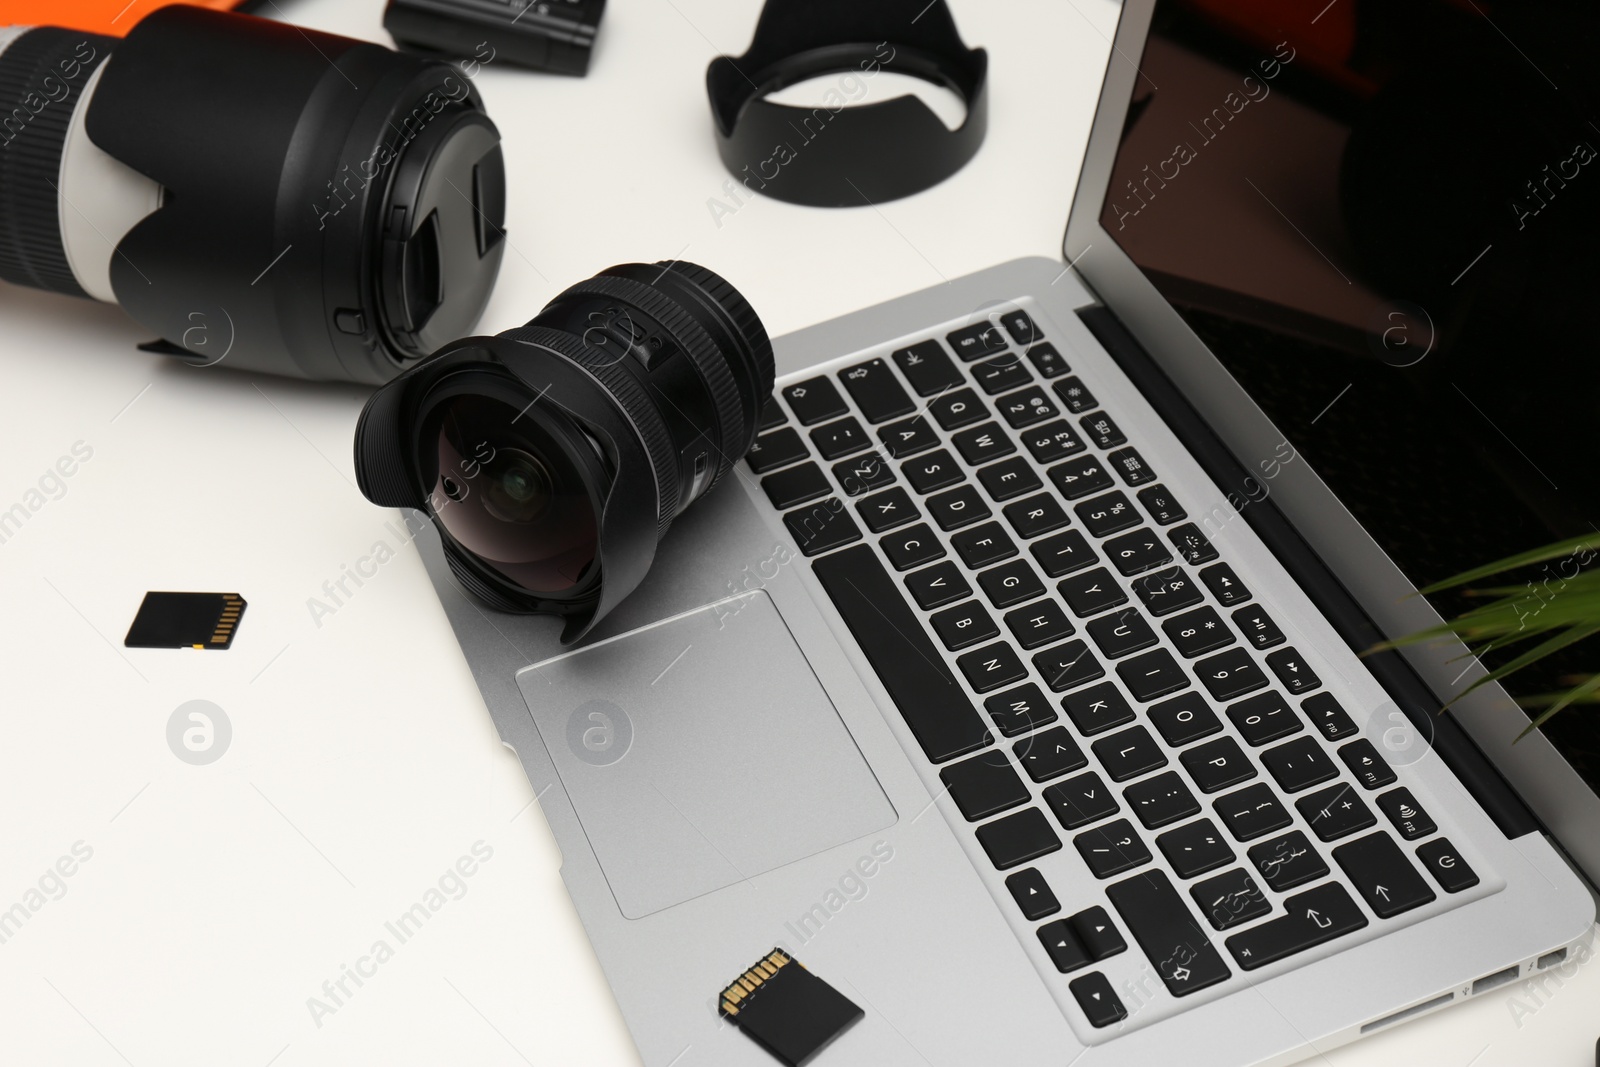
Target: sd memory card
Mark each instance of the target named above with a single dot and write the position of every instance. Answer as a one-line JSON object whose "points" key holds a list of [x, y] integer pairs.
{"points": [[186, 620]]}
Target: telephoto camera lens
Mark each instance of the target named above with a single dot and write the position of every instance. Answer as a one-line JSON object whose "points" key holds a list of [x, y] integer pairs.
{"points": [[553, 457], [257, 195]]}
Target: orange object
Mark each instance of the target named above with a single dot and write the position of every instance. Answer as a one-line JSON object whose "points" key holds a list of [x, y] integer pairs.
{"points": [[111, 17]]}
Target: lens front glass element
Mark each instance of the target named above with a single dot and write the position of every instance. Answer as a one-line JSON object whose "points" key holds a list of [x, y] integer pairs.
{"points": [[505, 489]]}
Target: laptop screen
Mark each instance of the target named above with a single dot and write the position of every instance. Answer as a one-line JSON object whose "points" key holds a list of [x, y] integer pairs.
{"points": [[1385, 222]]}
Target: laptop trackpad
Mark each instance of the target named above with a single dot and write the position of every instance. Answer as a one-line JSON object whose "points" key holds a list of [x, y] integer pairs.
{"points": [[701, 751]]}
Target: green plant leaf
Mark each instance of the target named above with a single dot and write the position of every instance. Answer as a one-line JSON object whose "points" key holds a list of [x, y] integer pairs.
{"points": [[1589, 541], [1587, 692], [1532, 655]]}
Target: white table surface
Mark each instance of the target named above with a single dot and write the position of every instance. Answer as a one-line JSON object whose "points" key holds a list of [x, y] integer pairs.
{"points": [[217, 899]]}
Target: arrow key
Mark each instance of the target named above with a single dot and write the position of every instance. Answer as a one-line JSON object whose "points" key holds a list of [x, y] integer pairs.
{"points": [[1032, 894], [1383, 875], [1098, 1001], [1097, 933], [1062, 945]]}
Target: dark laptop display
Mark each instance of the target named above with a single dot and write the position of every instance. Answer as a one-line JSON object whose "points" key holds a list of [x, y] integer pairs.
{"points": [[1384, 224]]}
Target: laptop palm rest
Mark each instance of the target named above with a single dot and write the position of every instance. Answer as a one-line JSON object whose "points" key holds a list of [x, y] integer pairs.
{"points": [[701, 751]]}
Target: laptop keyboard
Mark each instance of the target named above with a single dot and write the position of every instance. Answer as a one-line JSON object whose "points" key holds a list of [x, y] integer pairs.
{"points": [[1086, 671]]}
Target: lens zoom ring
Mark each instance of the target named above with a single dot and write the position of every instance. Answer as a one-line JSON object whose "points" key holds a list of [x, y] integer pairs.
{"points": [[745, 320], [641, 410], [36, 104], [697, 345]]}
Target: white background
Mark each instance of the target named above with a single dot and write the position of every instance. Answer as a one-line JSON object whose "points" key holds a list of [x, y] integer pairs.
{"points": [[219, 898]]}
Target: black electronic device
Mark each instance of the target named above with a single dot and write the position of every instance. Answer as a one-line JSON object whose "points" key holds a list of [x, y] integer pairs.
{"points": [[550, 35], [258, 195], [553, 457]]}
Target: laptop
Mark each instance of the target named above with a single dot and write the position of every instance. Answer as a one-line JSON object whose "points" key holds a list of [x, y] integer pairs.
{"points": [[1016, 687]]}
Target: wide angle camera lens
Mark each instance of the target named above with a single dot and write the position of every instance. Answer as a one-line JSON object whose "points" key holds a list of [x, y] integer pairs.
{"points": [[553, 457], [257, 195]]}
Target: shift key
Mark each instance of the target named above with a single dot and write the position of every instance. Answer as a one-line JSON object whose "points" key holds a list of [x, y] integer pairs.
{"points": [[1173, 942]]}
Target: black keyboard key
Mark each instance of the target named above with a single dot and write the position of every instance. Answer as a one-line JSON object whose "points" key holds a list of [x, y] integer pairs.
{"points": [[1067, 666], [1161, 801], [1092, 592], [1197, 632], [1224, 585], [1162, 505], [1013, 840], [795, 485], [936, 470], [1383, 875], [991, 667], [1217, 764], [772, 415], [1184, 718], [862, 474], [1327, 716], [1191, 544], [1264, 717], [1335, 812], [907, 437], [1292, 671], [1121, 633], [1080, 801], [1011, 583], [1288, 861], [1047, 361], [1009, 478], [1131, 467], [1112, 848], [1026, 407], [979, 546], [1060, 943], [956, 409], [1196, 848], [876, 392], [984, 785], [964, 626], [1167, 591], [1230, 674], [1016, 711], [980, 444], [938, 585], [1230, 899], [1000, 375], [1409, 817], [1075, 396], [1035, 516], [1257, 626], [1097, 933], [1097, 709], [1021, 327], [822, 527], [1077, 478], [1032, 894], [912, 547], [814, 400], [1049, 754], [1106, 515], [1253, 812], [1447, 866], [840, 438], [776, 449], [1099, 428], [1369, 767], [1298, 765], [886, 510], [1173, 942], [1038, 624], [1137, 552], [1152, 675], [1053, 441], [927, 368], [1129, 754], [1063, 553], [891, 636], [979, 339], [1314, 917], [958, 507]]}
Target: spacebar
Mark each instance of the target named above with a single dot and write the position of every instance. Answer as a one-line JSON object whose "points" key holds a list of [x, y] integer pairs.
{"points": [[912, 670]]}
